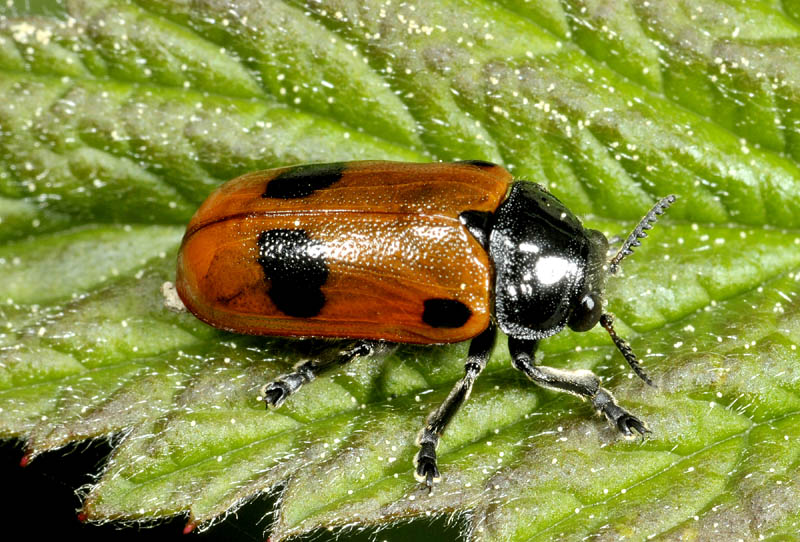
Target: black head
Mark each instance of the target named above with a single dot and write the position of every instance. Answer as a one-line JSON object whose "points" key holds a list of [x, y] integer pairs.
{"points": [[550, 271], [587, 306]]}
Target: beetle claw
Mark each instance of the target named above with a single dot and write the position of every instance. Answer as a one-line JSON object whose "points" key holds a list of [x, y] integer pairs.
{"points": [[275, 394], [627, 424], [428, 472], [426, 469]]}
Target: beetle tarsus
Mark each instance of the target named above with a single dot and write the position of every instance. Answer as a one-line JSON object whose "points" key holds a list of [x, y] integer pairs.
{"points": [[623, 420], [425, 461], [275, 394], [629, 423]]}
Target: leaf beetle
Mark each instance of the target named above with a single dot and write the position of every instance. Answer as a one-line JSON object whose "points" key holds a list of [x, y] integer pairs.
{"points": [[383, 252]]}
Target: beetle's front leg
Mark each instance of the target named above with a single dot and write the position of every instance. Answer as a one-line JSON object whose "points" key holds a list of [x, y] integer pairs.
{"points": [[277, 391], [579, 382], [428, 439]]}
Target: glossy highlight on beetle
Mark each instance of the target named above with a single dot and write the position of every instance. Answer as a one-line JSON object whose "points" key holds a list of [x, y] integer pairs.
{"points": [[381, 252]]}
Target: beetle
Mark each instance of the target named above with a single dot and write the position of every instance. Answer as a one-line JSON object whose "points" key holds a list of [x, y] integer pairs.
{"points": [[380, 252]]}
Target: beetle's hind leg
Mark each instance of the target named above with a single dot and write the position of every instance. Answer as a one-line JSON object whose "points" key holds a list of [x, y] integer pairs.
{"points": [[277, 391], [580, 382], [425, 460]]}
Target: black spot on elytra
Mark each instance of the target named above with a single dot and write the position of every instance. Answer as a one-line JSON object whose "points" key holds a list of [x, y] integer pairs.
{"points": [[295, 266], [445, 313], [302, 181], [478, 163]]}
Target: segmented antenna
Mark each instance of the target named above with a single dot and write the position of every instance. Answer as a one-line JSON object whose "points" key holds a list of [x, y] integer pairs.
{"points": [[639, 232], [607, 321]]}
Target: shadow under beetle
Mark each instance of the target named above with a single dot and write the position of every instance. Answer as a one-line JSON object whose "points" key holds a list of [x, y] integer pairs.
{"points": [[385, 252]]}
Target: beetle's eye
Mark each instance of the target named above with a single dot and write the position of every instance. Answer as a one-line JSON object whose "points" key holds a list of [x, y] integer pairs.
{"points": [[587, 313]]}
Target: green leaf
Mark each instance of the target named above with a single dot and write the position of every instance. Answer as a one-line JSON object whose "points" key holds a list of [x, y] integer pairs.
{"points": [[118, 118]]}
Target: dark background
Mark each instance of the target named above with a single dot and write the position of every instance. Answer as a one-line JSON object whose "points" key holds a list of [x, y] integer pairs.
{"points": [[40, 500]]}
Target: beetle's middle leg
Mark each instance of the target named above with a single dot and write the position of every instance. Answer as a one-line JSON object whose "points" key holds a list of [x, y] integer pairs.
{"points": [[277, 391], [425, 460], [579, 382]]}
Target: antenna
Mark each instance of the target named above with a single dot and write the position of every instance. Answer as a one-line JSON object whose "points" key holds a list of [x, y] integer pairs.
{"points": [[633, 240], [607, 321], [639, 232]]}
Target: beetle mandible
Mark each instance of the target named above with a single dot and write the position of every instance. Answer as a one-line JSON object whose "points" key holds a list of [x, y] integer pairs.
{"points": [[387, 252]]}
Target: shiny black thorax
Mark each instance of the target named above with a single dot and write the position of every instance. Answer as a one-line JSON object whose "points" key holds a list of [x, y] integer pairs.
{"points": [[545, 261]]}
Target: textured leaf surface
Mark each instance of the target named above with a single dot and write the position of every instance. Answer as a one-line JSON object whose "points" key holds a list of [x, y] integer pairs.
{"points": [[118, 118]]}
